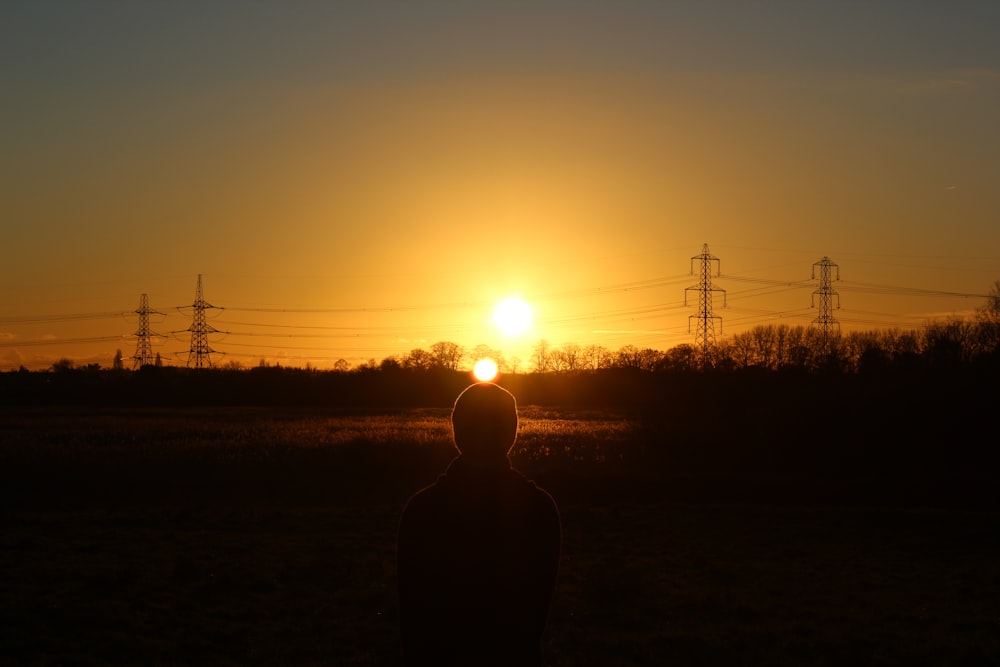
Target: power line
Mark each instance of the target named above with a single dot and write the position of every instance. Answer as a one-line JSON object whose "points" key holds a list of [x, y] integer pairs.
{"points": [[756, 288], [906, 291], [60, 341], [868, 288], [783, 285], [43, 319]]}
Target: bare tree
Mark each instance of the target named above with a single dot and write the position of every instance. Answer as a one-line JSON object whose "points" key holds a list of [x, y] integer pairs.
{"points": [[418, 359], [991, 309], [765, 340], [683, 357], [390, 364], [988, 319], [557, 360], [627, 357], [740, 349], [447, 355], [651, 359], [572, 357], [542, 356], [596, 357], [949, 343], [63, 365]]}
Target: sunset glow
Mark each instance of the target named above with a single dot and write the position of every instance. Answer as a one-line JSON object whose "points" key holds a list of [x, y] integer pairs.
{"points": [[513, 316], [369, 178]]}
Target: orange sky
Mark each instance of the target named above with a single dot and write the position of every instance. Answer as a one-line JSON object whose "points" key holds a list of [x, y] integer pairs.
{"points": [[383, 173]]}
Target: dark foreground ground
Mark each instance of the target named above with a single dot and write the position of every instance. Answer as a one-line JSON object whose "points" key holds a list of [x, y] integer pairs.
{"points": [[247, 563], [639, 585]]}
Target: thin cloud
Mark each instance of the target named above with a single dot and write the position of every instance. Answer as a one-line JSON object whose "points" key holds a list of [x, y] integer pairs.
{"points": [[948, 83], [927, 83]]}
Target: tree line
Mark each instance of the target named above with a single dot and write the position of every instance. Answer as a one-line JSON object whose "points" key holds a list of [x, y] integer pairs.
{"points": [[953, 342]]}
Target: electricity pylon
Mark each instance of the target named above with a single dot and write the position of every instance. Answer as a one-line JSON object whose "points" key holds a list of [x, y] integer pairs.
{"points": [[199, 355], [704, 335], [825, 320], [143, 346]]}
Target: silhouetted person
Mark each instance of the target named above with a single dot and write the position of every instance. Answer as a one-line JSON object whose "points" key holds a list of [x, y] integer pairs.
{"points": [[478, 549]]}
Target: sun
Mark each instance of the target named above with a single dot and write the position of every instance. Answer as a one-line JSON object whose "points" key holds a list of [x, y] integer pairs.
{"points": [[513, 316], [485, 370]]}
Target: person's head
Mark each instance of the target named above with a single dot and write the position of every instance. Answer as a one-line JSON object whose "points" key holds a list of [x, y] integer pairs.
{"points": [[484, 422]]}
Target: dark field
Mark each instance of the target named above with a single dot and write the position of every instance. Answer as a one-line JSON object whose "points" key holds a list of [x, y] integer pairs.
{"points": [[266, 536]]}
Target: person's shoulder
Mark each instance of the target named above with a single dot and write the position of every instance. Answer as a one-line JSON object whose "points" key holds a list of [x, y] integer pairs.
{"points": [[429, 495], [530, 484], [539, 496]]}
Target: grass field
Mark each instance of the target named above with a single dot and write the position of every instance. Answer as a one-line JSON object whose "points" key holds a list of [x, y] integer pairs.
{"points": [[240, 536]]}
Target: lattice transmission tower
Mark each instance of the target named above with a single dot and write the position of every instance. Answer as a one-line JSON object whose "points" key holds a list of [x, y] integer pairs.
{"points": [[704, 334], [200, 353], [144, 347], [828, 326]]}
